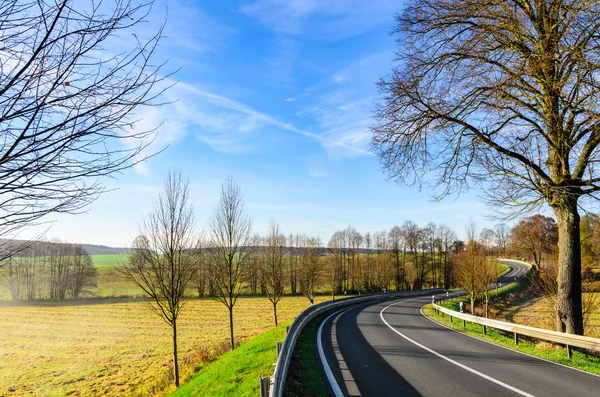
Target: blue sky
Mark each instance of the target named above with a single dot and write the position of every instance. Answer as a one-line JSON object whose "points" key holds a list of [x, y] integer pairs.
{"points": [[277, 94]]}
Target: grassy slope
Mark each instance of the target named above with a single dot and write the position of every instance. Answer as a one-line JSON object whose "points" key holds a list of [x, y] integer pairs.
{"points": [[236, 373]]}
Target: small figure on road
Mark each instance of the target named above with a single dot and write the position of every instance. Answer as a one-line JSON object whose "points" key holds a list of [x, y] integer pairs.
{"points": [[461, 307], [312, 300], [446, 294], [344, 294], [432, 298]]}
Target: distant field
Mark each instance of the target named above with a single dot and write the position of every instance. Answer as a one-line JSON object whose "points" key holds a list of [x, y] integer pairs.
{"points": [[115, 349], [104, 260]]}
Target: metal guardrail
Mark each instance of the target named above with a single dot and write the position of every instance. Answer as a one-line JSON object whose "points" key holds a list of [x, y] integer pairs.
{"points": [[569, 340], [285, 356]]}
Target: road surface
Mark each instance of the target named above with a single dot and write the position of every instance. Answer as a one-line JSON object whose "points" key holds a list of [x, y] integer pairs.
{"points": [[390, 349]]}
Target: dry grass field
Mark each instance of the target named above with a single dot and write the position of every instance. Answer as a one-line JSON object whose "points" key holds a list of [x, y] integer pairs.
{"points": [[540, 313], [116, 349]]}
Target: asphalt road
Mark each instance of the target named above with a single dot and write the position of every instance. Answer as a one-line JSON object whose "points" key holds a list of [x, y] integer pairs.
{"points": [[390, 349]]}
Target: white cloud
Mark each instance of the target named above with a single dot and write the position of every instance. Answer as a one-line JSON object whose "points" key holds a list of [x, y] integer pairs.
{"points": [[328, 19]]}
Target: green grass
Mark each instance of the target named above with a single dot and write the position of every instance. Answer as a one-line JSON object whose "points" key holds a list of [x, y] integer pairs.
{"points": [[236, 373], [502, 269], [540, 349], [106, 260], [304, 377]]}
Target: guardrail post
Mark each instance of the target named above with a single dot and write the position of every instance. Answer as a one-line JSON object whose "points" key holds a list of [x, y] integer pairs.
{"points": [[516, 338], [485, 330], [278, 346], [464, 324], [569, 352], [265, 385], [450, 319]]}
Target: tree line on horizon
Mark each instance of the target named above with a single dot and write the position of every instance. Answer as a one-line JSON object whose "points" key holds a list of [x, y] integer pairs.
{"points": [[49, 270]]}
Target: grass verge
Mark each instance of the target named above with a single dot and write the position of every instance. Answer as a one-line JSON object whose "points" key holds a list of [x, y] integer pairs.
{"points": [[304, 378], [539, 349], [236, 373]]}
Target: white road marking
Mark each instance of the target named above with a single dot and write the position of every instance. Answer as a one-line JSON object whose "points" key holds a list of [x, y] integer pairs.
{"points": [[498, 382], [334, 385]]}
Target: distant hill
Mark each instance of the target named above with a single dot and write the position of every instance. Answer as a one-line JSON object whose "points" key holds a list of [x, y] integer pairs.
{"points": [[92, 249]]}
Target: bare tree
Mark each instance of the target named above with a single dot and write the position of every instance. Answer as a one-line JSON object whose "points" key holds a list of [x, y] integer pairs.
{"points": [[335, 262], [230, 233], [67, 106], [396, 237], [200, 272], [84, 272], [273, 269], [164, 255], [469, 264], [501, 235], [310, 272], [59, 267], [503, 93]]}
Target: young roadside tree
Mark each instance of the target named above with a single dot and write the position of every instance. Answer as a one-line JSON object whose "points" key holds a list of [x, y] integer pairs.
{"points": [[67, 105], [504, 94], [163, 257], [469, 264], [273, 266], [230, 234]]}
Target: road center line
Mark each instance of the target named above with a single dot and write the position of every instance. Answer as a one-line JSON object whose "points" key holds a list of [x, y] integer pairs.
{"points": [[498, 382]]}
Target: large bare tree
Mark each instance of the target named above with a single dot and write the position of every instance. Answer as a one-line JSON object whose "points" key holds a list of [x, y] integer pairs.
{"points": [[68, 92], [164, 256], [230, 235], [504, 93]]}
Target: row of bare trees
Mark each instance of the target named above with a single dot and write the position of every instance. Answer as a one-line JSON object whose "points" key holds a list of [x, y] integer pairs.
{"points": [[49, 270]]}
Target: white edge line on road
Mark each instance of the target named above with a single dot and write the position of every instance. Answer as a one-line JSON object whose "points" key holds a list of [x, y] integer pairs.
{"points": [[518, 391], [334, 385]]}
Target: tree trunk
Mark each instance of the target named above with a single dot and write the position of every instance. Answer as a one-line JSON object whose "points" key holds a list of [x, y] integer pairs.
{"points": [[175, 361], [231, 326], [275, 312], [569, 316]]}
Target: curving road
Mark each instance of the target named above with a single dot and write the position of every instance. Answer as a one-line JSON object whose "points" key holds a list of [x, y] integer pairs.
{"points": [[390, 349]]}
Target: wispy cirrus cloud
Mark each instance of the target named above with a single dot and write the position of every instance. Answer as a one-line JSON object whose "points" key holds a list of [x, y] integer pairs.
{"points": [[326, 19], [226, 125]]}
